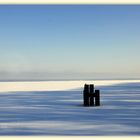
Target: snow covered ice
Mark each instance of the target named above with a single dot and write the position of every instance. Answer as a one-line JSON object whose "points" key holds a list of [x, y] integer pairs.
{"points": [[56, 108]]}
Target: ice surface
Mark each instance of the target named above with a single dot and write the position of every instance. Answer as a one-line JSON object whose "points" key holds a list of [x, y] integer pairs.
{"points": [[60, 112]]}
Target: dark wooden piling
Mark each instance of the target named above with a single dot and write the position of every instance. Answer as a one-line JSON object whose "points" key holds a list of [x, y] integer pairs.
{"points": [[86, 96], [91, 92], [97, 97]]}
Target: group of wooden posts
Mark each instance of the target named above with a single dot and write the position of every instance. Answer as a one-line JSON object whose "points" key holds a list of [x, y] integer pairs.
{"points": [[91, 97]]}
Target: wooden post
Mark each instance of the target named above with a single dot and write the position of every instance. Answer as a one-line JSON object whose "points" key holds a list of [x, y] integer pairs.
{"points": [[91, 92], [86, 95], [97, 97]]}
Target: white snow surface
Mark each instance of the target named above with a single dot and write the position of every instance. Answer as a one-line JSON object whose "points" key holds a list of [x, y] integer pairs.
{"points": [[56, 108]]}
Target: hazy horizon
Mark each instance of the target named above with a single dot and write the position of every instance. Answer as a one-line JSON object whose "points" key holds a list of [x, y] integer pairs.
{"points": [[55, 42]]}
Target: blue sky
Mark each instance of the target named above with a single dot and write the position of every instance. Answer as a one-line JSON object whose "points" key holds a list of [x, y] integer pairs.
{"points": [[69, 41]]}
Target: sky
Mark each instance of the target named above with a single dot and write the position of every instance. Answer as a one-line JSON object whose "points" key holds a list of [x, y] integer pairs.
{"points": [[44, 42]]}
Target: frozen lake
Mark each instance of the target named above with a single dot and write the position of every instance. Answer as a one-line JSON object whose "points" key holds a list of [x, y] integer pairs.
{"points": [[56, 108]]}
